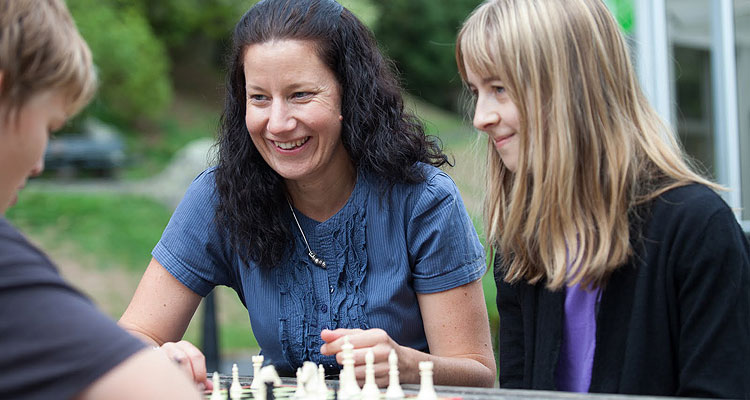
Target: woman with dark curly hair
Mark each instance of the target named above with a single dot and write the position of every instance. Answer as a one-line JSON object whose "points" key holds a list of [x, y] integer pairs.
{"points": [[326, 213]]}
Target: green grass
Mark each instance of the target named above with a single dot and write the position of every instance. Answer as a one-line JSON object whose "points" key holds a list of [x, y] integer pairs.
{"points": [[117, 230]]}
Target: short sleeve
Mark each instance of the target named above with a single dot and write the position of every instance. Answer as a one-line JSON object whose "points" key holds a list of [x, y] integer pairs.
{"points": [[193, 248], [444, 248]]}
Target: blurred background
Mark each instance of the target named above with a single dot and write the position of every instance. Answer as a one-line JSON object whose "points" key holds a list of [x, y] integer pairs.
{"points": [[116, 172]]}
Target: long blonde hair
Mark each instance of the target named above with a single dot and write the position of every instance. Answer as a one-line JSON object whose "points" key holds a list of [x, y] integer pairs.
{"points": [[591, 146], [41, 49]]}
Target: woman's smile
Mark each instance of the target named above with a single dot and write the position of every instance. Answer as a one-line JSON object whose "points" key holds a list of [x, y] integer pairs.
{"points": [[290, 145]]}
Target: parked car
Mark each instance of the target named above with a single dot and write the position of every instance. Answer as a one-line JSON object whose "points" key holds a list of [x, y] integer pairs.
{"points": [[97, 149]]}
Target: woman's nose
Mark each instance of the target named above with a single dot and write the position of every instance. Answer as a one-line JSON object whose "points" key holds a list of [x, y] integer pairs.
{"points": [[281, 119]]}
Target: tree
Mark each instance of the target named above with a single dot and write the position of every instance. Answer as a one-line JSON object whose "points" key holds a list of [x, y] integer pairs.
{"points": [[131, 61], [420, 36]]}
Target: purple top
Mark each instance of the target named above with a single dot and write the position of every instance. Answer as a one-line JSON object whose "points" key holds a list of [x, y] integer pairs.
{"points": [[573, 372]]}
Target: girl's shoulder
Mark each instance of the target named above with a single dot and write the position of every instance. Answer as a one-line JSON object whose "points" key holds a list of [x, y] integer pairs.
{"points": [[691, 199]]}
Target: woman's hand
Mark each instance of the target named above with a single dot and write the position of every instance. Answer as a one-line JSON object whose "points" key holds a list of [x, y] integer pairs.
{"points": [[190, 360], [380, 343]]}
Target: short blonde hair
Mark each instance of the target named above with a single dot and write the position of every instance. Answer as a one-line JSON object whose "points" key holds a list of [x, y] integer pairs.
{"points": [[591, 146], [41, 49]]}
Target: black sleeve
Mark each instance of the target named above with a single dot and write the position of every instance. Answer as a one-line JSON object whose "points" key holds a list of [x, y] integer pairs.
{"points": [[53, 341], [511, 340], [714, 311]]}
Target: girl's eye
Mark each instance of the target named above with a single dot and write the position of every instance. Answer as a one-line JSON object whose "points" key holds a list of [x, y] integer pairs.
{"points": [[499, 89]]}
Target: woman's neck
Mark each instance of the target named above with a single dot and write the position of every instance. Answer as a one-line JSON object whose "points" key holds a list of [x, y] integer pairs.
{"points": [[323, 196]]}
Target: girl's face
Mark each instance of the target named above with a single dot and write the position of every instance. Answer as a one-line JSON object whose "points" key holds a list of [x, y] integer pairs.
{"points": [[23, 139], [496, 115]]}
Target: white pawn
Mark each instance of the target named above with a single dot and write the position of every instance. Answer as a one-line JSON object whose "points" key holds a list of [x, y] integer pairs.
{"points": [[216, 392], [370, 389], [348, 386], [394, 391], [257, 364], [426, 388], [235, 391], [322, 389], [300, 393]]}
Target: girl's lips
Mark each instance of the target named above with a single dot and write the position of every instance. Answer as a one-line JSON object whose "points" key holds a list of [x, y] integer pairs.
{"points": [[500, 142]]}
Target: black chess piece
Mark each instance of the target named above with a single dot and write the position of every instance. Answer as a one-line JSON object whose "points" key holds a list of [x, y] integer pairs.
{"points": [[269, 391]]}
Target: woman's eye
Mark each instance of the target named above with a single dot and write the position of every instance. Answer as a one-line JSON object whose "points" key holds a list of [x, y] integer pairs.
{"points": [[257, 97], [301, 95]]}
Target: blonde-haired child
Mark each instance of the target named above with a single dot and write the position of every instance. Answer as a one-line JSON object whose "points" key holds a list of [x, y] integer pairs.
{"points": [[619, 269]]}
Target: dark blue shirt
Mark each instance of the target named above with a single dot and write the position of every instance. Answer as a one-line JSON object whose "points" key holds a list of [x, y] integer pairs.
{"points": [[380, 252]]}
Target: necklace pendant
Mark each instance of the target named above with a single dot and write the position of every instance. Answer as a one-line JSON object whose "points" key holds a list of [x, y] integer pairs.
{"points": [[317, 261]]}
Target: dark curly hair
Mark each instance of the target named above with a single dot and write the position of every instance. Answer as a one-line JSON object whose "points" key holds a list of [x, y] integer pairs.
{"points": [[378, 134]]}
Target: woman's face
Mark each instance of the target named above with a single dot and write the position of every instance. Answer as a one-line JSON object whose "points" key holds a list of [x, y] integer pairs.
{"points": [[496, 115], [293, 109], [23, 139]]}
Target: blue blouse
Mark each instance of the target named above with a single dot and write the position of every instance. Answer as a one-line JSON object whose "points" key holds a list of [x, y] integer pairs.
{"points": [[380, 251]]}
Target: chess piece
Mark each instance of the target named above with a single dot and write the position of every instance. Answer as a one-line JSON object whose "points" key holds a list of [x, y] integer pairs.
{"points": [[322, 389], [216, 392], [257, 364], [370, 389], [300, 393], [309, 376], [394, 391], [235, 391], [265, 375], [426, 388], [348, 386]]}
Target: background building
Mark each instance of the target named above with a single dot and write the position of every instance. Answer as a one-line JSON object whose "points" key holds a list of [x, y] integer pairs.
{"points": [[693, 59]]}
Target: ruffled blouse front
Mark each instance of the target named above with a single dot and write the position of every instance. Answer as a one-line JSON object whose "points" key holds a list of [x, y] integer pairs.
{"points": [[313, 298]]}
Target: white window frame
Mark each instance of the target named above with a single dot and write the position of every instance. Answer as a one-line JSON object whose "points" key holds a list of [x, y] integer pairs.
{"points": [[654, 68]]}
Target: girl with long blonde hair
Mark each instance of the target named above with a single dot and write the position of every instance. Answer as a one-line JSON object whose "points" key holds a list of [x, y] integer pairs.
{"points": [[618, 268]]}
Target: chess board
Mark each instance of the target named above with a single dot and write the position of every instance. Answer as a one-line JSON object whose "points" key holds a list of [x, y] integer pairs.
{"points": [[280, 393], [286, 392]]}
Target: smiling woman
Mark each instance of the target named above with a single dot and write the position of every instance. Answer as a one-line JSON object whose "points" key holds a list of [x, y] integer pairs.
{"points": [[326, 213]]}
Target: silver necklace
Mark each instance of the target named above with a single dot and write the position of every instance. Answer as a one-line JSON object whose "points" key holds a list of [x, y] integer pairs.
{"points": [[317, 261]]}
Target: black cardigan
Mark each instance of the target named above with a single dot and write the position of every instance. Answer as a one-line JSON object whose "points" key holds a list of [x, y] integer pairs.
{"points": [[673, 321]]}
